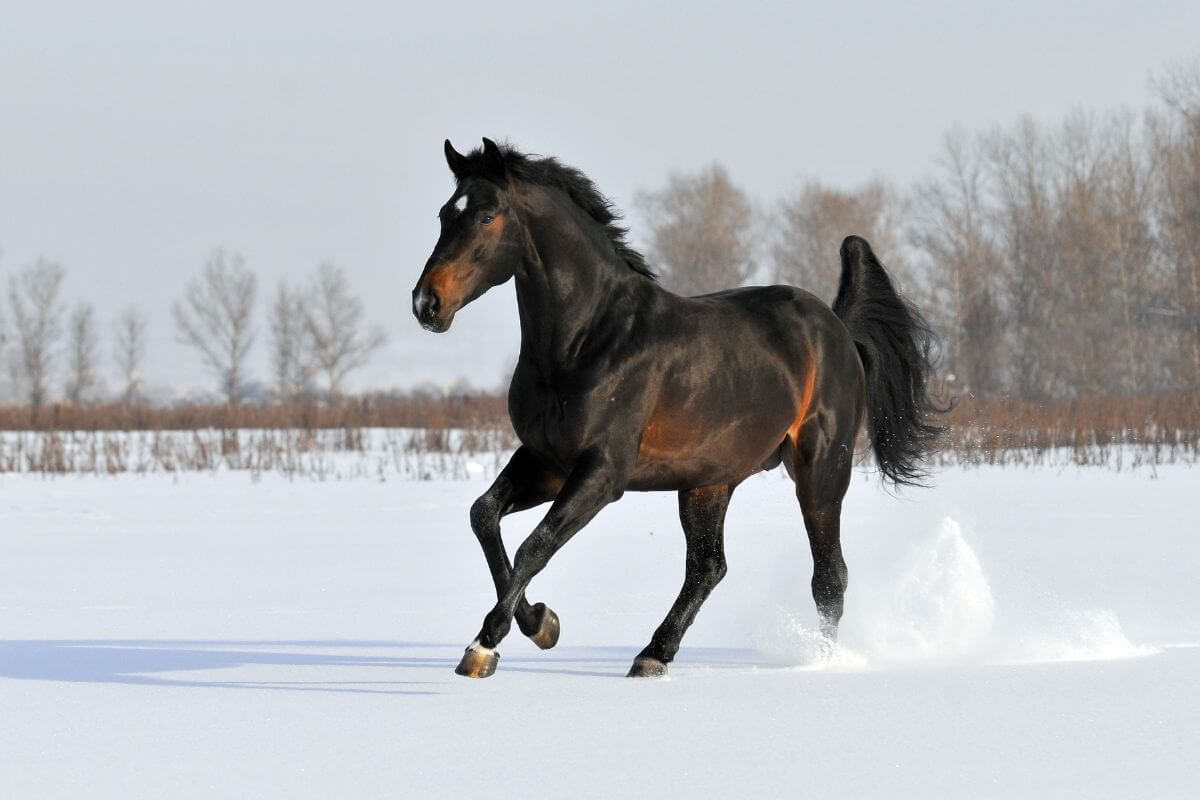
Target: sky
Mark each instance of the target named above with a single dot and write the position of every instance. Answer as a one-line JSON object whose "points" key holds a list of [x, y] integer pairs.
{"points": [[136, 138]]}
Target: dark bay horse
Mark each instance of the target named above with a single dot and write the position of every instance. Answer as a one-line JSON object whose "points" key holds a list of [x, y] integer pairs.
{"points": [[622, 385]]}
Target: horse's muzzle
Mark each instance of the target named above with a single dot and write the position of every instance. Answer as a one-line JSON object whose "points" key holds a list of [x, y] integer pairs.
{"points": [[427, 308]]}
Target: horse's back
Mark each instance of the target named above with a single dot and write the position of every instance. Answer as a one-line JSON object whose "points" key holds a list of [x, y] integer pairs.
{"points": [[774, 296], [792, 316]]}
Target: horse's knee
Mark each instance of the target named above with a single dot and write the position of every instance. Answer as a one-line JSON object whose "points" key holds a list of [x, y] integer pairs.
{"points": [[485, 515]]}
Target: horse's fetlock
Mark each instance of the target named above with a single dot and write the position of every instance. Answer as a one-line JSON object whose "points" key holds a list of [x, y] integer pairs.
{"points": [[495, 627]]}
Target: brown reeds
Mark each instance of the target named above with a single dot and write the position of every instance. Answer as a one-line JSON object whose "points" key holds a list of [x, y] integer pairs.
{"points": [[427, 436], [1114, 431], [476, 411]]}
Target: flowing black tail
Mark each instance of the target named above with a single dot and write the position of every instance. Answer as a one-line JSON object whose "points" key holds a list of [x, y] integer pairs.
{"points": [[896, 346]]}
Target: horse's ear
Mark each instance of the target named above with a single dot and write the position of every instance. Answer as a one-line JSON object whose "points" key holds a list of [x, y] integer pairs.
{"points": [[493, 162], [455, 160]]}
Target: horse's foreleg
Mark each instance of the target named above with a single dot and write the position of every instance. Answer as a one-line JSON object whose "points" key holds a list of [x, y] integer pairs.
{"points": [[592, 484], [523, 483], [702, 512]]}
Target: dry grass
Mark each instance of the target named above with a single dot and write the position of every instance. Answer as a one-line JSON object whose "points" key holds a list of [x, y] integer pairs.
{"points": [[482, 411], [411, 437], [424, 437], [1111, 431]]}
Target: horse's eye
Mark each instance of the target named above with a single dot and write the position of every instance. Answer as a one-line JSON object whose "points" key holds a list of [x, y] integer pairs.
{"points": [[486, 219]]}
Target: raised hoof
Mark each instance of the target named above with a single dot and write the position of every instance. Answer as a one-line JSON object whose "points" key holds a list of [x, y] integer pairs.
{"points": [[646, 667], [478, 663], [547, 633]]}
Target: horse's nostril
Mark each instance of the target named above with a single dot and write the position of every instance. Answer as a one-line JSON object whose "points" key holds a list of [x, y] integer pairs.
{"points": [[426, 303]]}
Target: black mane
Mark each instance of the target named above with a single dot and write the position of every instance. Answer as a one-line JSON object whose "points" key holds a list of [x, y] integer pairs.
{"points": [[552, 173]]}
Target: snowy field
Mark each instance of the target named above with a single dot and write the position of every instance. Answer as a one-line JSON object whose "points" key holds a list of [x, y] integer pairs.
{"points": [[1009, 633]]}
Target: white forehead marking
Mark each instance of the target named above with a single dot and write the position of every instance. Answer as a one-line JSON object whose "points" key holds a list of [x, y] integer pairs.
{"points": [[461, 203]]}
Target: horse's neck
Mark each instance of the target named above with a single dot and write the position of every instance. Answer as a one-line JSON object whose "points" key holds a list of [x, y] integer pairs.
{"points": [[570, 287]]}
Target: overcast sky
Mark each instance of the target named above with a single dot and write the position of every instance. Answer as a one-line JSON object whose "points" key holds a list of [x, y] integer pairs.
{"points": [[137, 137]]}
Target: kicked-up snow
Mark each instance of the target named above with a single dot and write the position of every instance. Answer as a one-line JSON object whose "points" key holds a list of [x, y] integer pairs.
{"points": [[1008, 633]]}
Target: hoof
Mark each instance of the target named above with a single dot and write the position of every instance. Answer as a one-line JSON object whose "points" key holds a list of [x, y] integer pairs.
{"points": [[478, 662], [646, 667], [547, 633]]}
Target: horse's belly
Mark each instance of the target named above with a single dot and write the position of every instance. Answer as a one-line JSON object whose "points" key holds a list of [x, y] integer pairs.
{"points": [[682, 452]]}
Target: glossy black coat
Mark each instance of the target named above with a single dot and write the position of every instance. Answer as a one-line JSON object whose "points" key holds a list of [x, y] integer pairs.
{"points": [[622, 385]]}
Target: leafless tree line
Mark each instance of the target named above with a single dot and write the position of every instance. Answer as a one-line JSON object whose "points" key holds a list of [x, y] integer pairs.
{"points": [[317, 334], [318, 329], [315, 330], [1057, 262]]}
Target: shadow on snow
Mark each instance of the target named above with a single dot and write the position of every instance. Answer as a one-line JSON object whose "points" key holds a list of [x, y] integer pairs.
{"points": [[139, 662]]}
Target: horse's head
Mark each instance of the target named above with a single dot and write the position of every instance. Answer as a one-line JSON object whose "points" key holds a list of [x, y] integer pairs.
{"points": [[480, 243]]}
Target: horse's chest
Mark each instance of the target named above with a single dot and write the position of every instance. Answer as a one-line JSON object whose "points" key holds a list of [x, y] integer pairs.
{"points": [[552, 425]]}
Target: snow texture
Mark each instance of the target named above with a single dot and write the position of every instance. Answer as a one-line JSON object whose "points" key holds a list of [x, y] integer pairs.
{"points": [[1009, 633]]}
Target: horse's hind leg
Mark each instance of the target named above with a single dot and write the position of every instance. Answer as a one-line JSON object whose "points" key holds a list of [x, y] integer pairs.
{"points": [[702, 512], [524, 483], [821, 468]]}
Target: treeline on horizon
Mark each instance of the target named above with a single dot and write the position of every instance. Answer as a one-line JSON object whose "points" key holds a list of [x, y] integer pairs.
{"points": [[317, 336], [1056, 262], [1060, 265]]}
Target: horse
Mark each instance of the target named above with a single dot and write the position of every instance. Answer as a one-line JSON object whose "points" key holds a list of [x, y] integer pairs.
{"points": [[621, 385]]}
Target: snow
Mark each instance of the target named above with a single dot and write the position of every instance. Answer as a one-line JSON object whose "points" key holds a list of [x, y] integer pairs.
{"points": [[1008, 633]]}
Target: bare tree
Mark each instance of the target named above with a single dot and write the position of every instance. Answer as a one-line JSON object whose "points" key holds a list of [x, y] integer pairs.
{"points": [[10, 358], [81, 354], [37, 315], [1176, 149], [1072, 224], [1043, 248], [5, 357], [291, 351], [1178, 86], [813, 222], [701, 231], [333, 319], [1103, 202], [129, 349], [214, 317], [951, 232], [1019, 161]]}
